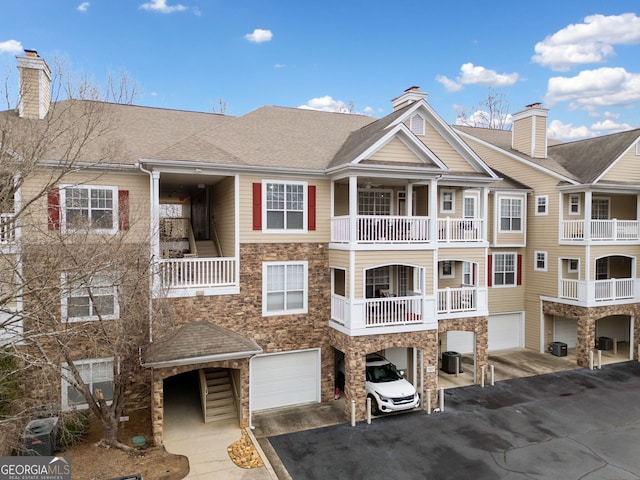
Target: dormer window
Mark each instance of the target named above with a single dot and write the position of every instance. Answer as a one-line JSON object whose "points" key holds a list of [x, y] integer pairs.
{"points": [[416, 125]]}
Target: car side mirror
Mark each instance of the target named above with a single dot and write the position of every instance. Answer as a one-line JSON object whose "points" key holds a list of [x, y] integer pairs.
{"points": [[401, 372]]}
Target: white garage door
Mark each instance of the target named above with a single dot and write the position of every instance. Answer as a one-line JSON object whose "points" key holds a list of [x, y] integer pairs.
{"points": [[283, 379], [505, 331], [565, 330], [461, 342]]}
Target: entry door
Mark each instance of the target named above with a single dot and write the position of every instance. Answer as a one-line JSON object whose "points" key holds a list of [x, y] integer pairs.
{"points": [[470, 204]]}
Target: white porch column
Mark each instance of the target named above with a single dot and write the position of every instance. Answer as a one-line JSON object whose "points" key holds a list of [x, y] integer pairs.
{"points": [[409, 200], [353, 210], [433, 209], [587, 215]]}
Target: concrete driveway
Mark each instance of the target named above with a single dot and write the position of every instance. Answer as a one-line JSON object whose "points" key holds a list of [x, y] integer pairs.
{"points": [[572, 424]]}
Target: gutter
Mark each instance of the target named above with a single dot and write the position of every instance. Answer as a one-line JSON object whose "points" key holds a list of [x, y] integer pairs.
{"points": [[139, 165], [203, 359]]}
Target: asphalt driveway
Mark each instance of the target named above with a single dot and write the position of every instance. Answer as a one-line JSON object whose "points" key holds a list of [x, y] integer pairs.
{"points": [[578, 424]]}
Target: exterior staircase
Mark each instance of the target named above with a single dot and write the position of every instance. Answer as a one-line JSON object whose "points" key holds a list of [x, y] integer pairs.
{"points": [[216, 392], [206, 249]]}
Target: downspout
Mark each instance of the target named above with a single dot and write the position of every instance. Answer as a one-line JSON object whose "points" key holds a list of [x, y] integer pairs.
{"points": [[151, 256]]}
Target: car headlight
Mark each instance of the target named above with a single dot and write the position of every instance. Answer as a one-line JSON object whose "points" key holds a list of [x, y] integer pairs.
{"points": [[382, 397]]}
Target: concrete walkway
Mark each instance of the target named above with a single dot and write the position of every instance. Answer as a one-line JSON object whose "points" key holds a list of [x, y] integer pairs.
{"points": [[204, 444]]}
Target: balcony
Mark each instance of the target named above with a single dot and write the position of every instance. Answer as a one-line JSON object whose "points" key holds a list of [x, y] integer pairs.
{"points": [[453, 300], [188, 267], [381, 229], [382, 315], [601, 292], [460, 230], [620, 231]]}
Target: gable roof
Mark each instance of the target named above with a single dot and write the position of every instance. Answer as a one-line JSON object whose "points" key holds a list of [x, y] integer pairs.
{"points": [[198, 342], [588, 159]]}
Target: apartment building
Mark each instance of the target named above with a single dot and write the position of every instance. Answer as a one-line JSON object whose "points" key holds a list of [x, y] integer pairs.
{"points": [[288, 244]]}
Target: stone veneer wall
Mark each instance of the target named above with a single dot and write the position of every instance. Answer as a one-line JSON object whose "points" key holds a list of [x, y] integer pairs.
{"points": [[477, 325], [355, 351], [243, 314], [586, 318]]}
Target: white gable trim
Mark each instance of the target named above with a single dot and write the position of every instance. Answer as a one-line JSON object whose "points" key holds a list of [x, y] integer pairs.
{"points": [[613, 164], [535, 166], [402, 133], [448, 133]]}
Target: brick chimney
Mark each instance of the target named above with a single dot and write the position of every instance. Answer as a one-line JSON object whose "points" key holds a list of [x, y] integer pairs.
{"points": [[410, 95], [529, 133], [35, 86]]}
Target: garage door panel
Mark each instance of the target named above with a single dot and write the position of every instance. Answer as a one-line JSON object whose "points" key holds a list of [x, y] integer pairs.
{"points": [[565, 330], [460, 341], [285, 379], [505, 331]]}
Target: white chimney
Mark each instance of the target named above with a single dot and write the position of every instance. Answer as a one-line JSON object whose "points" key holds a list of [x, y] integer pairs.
{"points": [[35, 86], [410, 95]]}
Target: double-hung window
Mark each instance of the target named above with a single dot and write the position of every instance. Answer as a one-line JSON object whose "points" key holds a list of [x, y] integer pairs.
{"points": [[285, 206], [97, 374], [90, 298], [510, 214], [284, 287], [542, 204], [89, 207], [504, 269], [540, 261]]}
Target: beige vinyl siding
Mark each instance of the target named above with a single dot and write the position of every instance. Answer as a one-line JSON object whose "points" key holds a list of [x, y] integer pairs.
{"points": [[473, 255], [341, 199], [31, 92], [9, 281], [444, 151], [395, 151], [506, 299], [623, 207], [224, 215], [625, 169], [522, 135], [35, 218], [540, 133], [532, 323], [323, 223], [506, 237]]}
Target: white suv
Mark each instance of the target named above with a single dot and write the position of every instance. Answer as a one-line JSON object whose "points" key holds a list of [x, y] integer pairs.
{"points": [[387, 388]]}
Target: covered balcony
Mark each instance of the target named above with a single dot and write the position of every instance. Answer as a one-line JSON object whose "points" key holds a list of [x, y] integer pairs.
{"points": [[614, 282], [196, 252], [458, 291], [600, 218], [393, 302]]}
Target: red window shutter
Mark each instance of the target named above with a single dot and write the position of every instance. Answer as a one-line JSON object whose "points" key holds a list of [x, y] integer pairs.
{"points": [[123, 209], [53, 208], [519, 272], [311, 207], [489, 270], [257, 206]]}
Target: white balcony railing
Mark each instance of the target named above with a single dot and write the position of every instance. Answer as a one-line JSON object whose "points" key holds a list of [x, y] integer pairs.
{"points": [[7, 228], [611, 230], [381, 229], [197, 272], [459, 229], [461, 299], [612, 289], [393, 311]]}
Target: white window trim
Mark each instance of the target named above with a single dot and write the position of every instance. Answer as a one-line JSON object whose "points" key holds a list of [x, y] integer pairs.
{"points": [[522, 213], [305, 295], [535, 261], [515, 270], [65, 305], [546, 205], [412, 127], [573, 270], [452, 273], [466, 265], [305, 208], [579, 204], [453, 201], [64, 383], [63, 208]]}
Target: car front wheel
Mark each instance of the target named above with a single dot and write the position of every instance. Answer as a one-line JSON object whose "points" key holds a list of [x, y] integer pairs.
{"points": [[375, 409]]}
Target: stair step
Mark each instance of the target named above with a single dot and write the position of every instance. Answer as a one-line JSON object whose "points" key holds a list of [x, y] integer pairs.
{"points": [[220, 403], [218, 381], [224, 416], [219, 388], [216, 374], [212, 396]]}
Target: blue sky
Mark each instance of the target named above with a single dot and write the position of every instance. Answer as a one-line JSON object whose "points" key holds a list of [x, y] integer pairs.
{"points": [[580, 59]]}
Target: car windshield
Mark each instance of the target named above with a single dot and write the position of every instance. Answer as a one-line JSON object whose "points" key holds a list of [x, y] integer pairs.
{"points": [[383, 373]]}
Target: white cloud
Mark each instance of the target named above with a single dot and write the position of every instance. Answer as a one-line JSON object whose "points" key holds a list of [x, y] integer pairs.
{"points": [[595, 88], [588, 42], [325, 104], [279, 65], [566, 131], [83, 7], [259, 36], [471, 74], [162, 7], [609, 126], [11, 46]]}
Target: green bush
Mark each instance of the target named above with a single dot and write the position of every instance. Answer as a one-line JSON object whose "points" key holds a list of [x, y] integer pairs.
{"points": [[73, 427]]}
